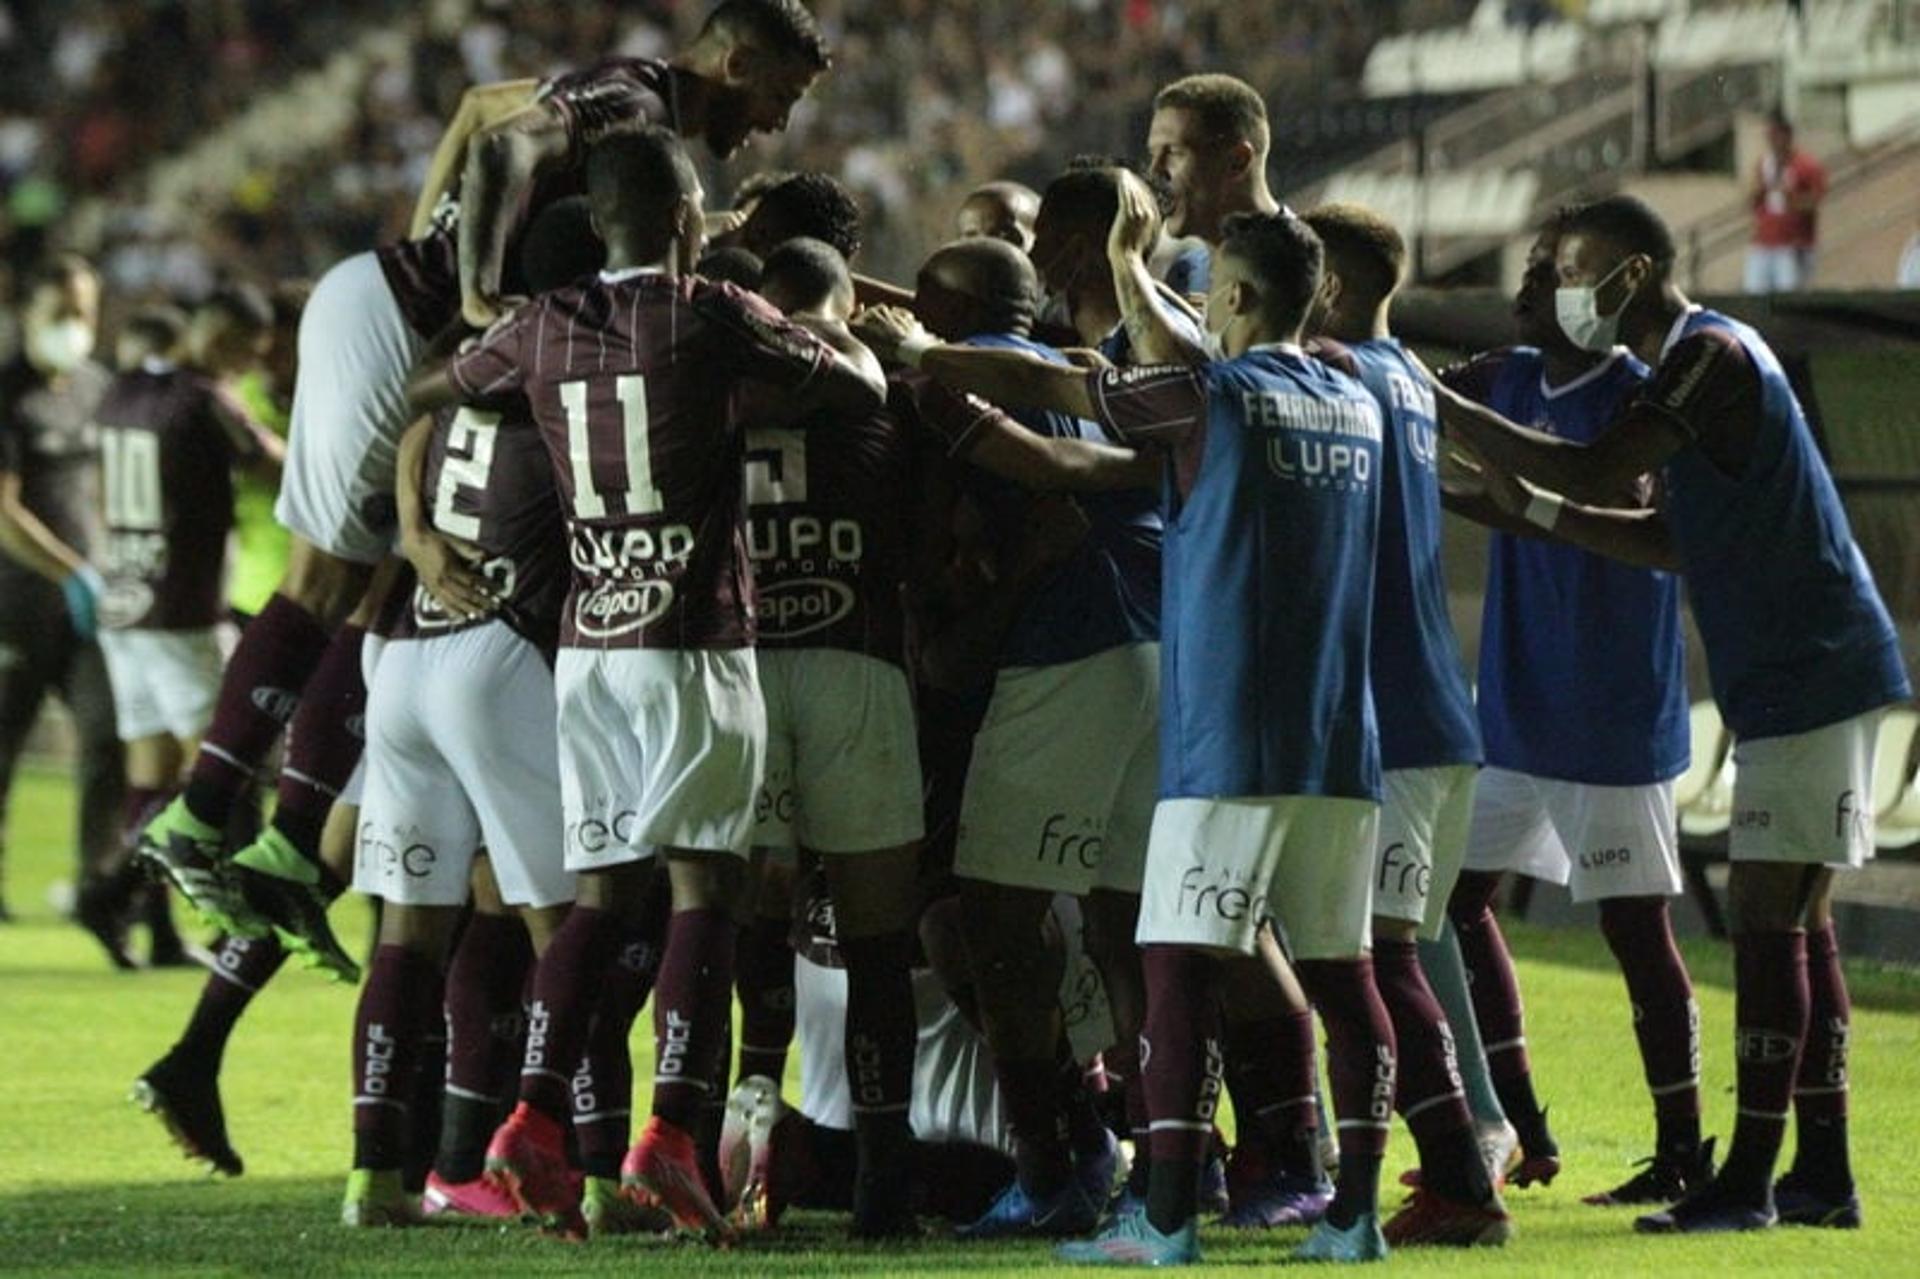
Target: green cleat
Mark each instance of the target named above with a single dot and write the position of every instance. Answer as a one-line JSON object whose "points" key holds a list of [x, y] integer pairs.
{"points": [[285, 887], [192, 855], [1362, 1241], [375, 1199], [608, 1212]]}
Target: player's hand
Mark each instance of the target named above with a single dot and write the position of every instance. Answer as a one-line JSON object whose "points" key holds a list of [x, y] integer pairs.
{"points": [[482, 311], [448, 568], [82, 590], [1136, 223], [1085, 357], [884, 328], [721, 223], [1055, 527]]}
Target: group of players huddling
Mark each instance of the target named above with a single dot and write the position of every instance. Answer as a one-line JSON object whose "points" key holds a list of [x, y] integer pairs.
{"points": [[1038, 686]]}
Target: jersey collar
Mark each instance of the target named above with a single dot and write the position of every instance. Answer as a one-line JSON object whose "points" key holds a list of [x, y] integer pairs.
{"points": [[1282, 348], [1599, 370], [632, 272], [1679, 323]]}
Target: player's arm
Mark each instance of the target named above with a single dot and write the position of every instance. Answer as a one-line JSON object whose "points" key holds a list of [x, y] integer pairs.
{"points": [[868, 291], [1013, 378], [26, 539], [1638, 537], [256, 449], [785, 370], [481, 106], [1157, 335], [986, 437], [1639, 442], [489, 366], [501, 163], [443, 563]]}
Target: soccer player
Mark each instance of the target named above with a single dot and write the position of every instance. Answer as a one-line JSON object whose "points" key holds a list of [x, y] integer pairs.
{"points": [[260, 544], [1001, 210], [1429, 740], [1074, 658], [1573, 641], [809, 204], [1270, 776], [49, 525], [639, 380], [1802, 655], [1207, 143], [447, 772], [513, 148]]}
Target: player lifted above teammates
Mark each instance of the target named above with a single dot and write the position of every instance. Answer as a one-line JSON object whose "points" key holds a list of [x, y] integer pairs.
{"points": [[661, 722], [1801, 651], [513, 148]]}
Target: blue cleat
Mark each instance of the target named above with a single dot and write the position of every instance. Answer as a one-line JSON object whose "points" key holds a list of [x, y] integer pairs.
{"points": [[1096, 1174], [1015, 1213], [1801, 1203], [1710, 1210], [1131, 1240], [1279, 1199], [1362, 1241]]}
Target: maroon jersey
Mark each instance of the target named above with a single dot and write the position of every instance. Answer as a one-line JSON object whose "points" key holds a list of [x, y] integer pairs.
{"points": [[608, 97], [488, 482], [168, 441], [631, 377], [827, 532]]}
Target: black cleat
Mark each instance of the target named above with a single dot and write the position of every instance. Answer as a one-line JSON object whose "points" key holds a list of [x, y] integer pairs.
{"points": [[296, 909], [1712, 1209], [1662, 1179], [187, 1101], [101, 910], [1801, 1203]]}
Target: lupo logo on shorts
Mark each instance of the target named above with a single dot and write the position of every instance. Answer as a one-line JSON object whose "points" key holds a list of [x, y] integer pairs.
{"points": [[789, 610]]}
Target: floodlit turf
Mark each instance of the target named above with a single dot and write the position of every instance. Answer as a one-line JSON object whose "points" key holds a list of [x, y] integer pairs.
{"points": [[89, 1184]]}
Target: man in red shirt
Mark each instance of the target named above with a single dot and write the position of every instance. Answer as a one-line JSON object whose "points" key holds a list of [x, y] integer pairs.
{"points": [[1787, 188]]}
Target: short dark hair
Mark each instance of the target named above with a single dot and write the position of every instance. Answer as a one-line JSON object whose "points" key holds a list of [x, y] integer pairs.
{"points": [[1284, 257], [1086, 195], [785, 28], [1627, 222], [1367, 250], [635, 178], [803, 273], [560, 246], [246, 305], [755, 185], [160, 326], [818, 206], [1229, 108], [732, 264]]}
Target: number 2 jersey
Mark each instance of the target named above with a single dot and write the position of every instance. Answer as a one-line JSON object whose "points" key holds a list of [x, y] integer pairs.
{"points": [[634, 379], [487, 481], [169, 439]]}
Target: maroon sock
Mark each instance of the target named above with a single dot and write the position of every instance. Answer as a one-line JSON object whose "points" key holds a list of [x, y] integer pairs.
{"points": [[1820, 1092], [240, 968], [1272, 1079], [483, 1015], [1180, 1049], [692, 1012], [1123, 1071], [1497, 1009], [400, 999], [1666, 1020], [1360, 1070], [1770, 1011], [270, 667], [764, 977], [566, 983], [141, 802], [603, 1085], [1428, 1093], [323, 742]]}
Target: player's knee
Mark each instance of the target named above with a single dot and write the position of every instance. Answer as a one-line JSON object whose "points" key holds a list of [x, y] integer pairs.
{"points": [[1770, 897], [1627, 921]]}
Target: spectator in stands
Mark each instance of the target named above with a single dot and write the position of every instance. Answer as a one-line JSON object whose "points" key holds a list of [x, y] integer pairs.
{"points": [[1788, 185]]}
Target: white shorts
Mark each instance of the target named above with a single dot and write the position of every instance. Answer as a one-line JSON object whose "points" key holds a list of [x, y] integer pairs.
{"points": [[843, 756], [659, 748], [356, 788], [1065, 767], [460, 754], [1218, 868], [349, 411], [1806, 798], [165, 681], [1425, 814], [1600, 841]]}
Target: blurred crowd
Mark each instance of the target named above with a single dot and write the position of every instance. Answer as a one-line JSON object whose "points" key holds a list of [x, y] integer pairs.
{"points": [[927, 95]]}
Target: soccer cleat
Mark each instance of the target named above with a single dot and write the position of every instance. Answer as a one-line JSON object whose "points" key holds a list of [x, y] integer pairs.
{"points": [[1017, 1213], [187, 1100], [527, 1162], [101, 910], [1534, 1170], [1710, 1210], [283, 887], [609, 1212], [1131, 1240], [191, 854], [754, 1111], [1213, 1186], [1433, 1221], [1278, 1200], [663, 1170], [476, 1200], [376, 1199], [1662, 1179], [1500, 1152], [1097, 1174], [1800, 1203], [1362, 1241]]}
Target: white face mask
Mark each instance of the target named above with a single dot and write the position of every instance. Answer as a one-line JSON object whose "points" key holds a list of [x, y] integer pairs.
{"points": [[61, 347], [1577, 308]]}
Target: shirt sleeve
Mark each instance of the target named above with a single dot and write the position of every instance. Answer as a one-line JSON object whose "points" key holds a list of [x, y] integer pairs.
{"points": [[953, 417], [494, 364], [1158, 404], [1705, 378], [1474, 378], [601, 100], [763, 344]]}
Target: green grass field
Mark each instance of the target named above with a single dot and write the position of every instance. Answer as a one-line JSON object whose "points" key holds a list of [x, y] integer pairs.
{"points": [[90, 1185]]}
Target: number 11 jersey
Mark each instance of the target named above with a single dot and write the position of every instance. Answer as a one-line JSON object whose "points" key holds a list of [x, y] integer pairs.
{"points": [[635, 380]]}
